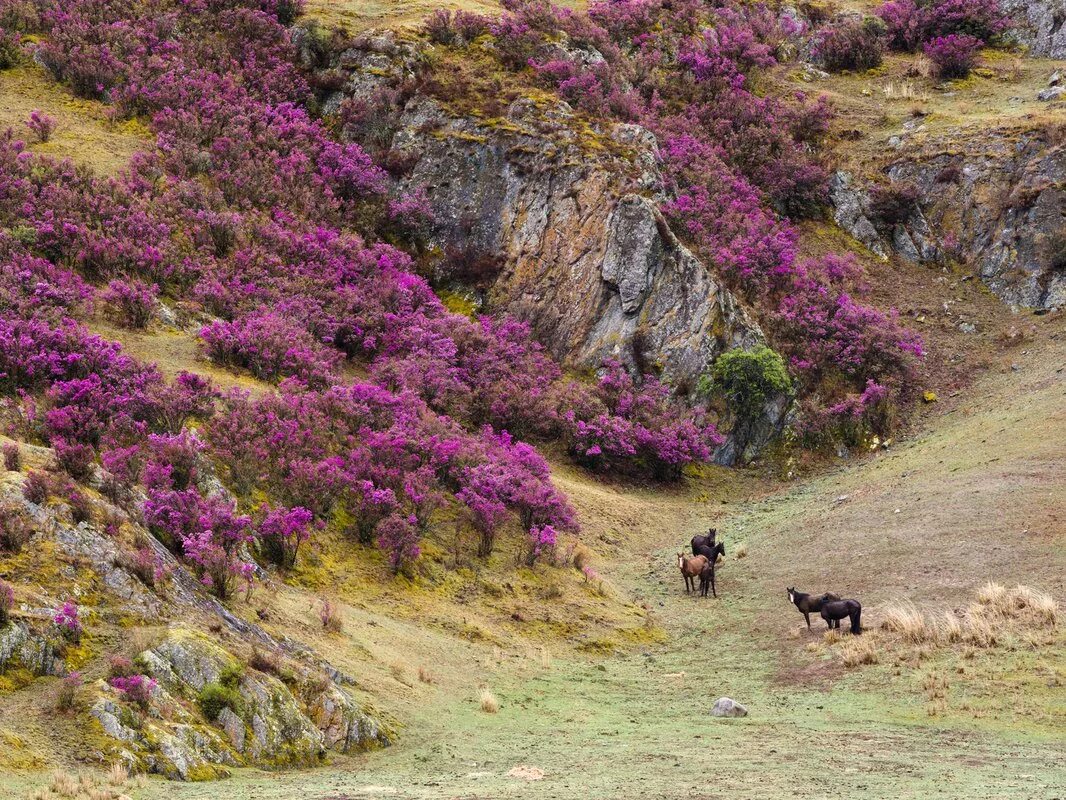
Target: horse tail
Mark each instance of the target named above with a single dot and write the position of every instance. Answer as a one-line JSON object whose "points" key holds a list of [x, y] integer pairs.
{"points": [[856, 615]]}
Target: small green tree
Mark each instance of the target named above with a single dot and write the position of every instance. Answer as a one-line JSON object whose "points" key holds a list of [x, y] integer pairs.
{"points": [[745, 380]]}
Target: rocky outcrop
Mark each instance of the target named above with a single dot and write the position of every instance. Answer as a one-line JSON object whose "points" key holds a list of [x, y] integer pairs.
{"points": [[583, 253], [272, 723], [1000, 208], [1041, 25], [21, 647], [561, 218], [265, 721]]}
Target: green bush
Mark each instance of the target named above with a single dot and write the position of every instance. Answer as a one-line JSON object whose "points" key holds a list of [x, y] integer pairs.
{"points": [[746, 379], [214, 697]]}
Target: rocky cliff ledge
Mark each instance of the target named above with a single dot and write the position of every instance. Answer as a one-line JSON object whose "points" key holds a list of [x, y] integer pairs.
{"points": [[569, 217]]}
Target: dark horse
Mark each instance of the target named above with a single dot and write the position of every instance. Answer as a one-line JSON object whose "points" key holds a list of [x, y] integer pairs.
{"points": [[707, 573], [835, 610], [807, 603], [705, 545]]}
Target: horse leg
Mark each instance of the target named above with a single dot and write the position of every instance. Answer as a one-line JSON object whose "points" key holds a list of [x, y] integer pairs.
{"points": [[713, 590]]}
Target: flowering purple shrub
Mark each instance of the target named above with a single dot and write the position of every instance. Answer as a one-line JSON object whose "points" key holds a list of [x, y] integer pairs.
{"points": [[12, 457], [147, 566], [67, 620], [36, 488], [953, 55], [14, 531], [42, 125], [912, 23], [271, 347], [133, 302], [619, 423], [135, 689], [851, 45], [282, 531], [452, 27]]}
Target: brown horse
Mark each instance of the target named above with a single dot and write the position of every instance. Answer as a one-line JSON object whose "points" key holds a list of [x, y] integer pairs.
{"points": [[691, 568]]}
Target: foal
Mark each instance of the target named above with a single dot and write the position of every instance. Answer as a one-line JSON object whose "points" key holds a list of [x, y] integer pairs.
{"points": [[809, 603], [707, 573], [691, 568]]}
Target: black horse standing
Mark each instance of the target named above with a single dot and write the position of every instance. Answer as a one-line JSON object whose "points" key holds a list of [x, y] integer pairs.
{"points": [[835, 610], [809, 603], [706, 545]]}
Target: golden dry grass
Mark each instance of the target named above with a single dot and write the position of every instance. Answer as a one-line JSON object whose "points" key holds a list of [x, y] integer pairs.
{"points": [[489, 703], [905, 619], [360, 15], [859, 650], [741, 550]]}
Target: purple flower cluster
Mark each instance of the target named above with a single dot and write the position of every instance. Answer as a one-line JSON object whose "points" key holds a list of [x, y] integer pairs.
{"points": [[134, 688], [912, 23], [67, 620]]}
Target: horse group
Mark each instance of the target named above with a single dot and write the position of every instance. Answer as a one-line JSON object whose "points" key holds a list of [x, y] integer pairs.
{"points": [[701, 564]]}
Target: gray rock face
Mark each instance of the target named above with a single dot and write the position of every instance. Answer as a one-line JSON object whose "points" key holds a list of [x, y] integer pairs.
{"points": [[850, 209], [728, 707], [1001, 208], [20, 646], [1041, 25], [596, 271]]}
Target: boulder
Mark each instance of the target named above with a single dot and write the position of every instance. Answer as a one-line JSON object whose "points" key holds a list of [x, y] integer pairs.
{"points": [[728, 707]]}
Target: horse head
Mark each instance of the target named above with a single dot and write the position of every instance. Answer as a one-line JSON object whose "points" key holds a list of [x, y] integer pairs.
{"points": [[791, 594]]}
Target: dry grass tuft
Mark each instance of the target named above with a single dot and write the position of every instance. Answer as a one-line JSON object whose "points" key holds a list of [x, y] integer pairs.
{"points": [[118, 775], [545, 658], [857, 650], [741, 550], [992, 594], [489, 703], [831, 636], [424, 675], [64, 784], [907, 620], [935, 686], [978, 629], [1041, 604], [330, 616], [949, 629]]}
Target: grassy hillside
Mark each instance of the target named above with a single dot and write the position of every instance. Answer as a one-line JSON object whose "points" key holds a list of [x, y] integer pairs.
{"points": [[604, 679], [976, 496]]}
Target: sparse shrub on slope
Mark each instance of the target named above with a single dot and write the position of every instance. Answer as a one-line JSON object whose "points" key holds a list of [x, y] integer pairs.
{"points": [[851, 45], [953, 55], [7, 602], [747, 379]]}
